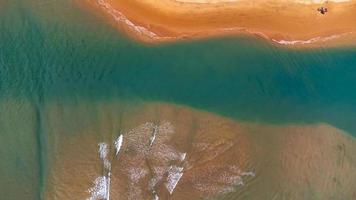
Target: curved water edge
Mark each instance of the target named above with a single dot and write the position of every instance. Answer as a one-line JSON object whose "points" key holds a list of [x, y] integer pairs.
{"points": [[51, 60], [47, 57], [150, 36]]}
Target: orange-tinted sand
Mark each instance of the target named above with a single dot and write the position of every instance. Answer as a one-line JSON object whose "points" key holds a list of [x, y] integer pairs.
{"points": [[285, 22]]}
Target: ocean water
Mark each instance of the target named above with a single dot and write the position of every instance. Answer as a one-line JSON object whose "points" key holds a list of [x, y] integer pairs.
{"points": [[55, 52]]}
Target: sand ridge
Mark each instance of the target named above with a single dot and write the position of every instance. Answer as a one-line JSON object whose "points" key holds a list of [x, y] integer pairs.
{"points": [[202, 155], [283, 22]]}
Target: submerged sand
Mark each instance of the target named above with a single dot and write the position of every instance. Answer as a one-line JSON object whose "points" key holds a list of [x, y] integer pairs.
{"points": [[198, 155], [285, 22]]}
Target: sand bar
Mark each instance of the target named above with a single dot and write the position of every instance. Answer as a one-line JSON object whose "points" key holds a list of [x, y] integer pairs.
{"points": [[203, 156], [286, 22]]}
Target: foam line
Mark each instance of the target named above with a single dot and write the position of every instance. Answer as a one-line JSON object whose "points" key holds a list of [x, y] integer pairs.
{"points": [[118, 143], [120, 17], [174, 175]]}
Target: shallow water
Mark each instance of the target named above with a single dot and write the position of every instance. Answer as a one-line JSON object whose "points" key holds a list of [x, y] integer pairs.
{"points": [[54, 52]]}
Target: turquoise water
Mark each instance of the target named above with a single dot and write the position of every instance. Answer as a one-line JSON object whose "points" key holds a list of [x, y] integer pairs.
{"points": [[53, 51]]}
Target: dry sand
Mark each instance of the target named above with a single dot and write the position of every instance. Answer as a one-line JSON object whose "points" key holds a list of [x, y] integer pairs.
{"points": [[286, 22]]}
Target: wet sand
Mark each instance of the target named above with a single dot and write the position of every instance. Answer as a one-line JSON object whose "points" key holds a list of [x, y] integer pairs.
{"points": [[209, 156], [284, 22]]}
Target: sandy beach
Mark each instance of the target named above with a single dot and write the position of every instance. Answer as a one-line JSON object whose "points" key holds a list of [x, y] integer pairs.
{"points": [[285, 22]]}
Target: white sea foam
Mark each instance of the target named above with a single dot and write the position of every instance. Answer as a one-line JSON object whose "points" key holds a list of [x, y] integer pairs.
{"points": [[108, 186], [100, 189], [182, 156], [214, 180], [118, 143], [158, 172], [167, 153], [252, 174], [156, 197], [221, 180], [103, 150], [136, 174], [144, 138], [153, 138], [312, 40], [118, 16], [174, 175], [103, 153]]}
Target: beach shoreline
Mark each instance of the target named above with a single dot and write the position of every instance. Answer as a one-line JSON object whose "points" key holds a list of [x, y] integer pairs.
{"points": [[293, 23]]}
